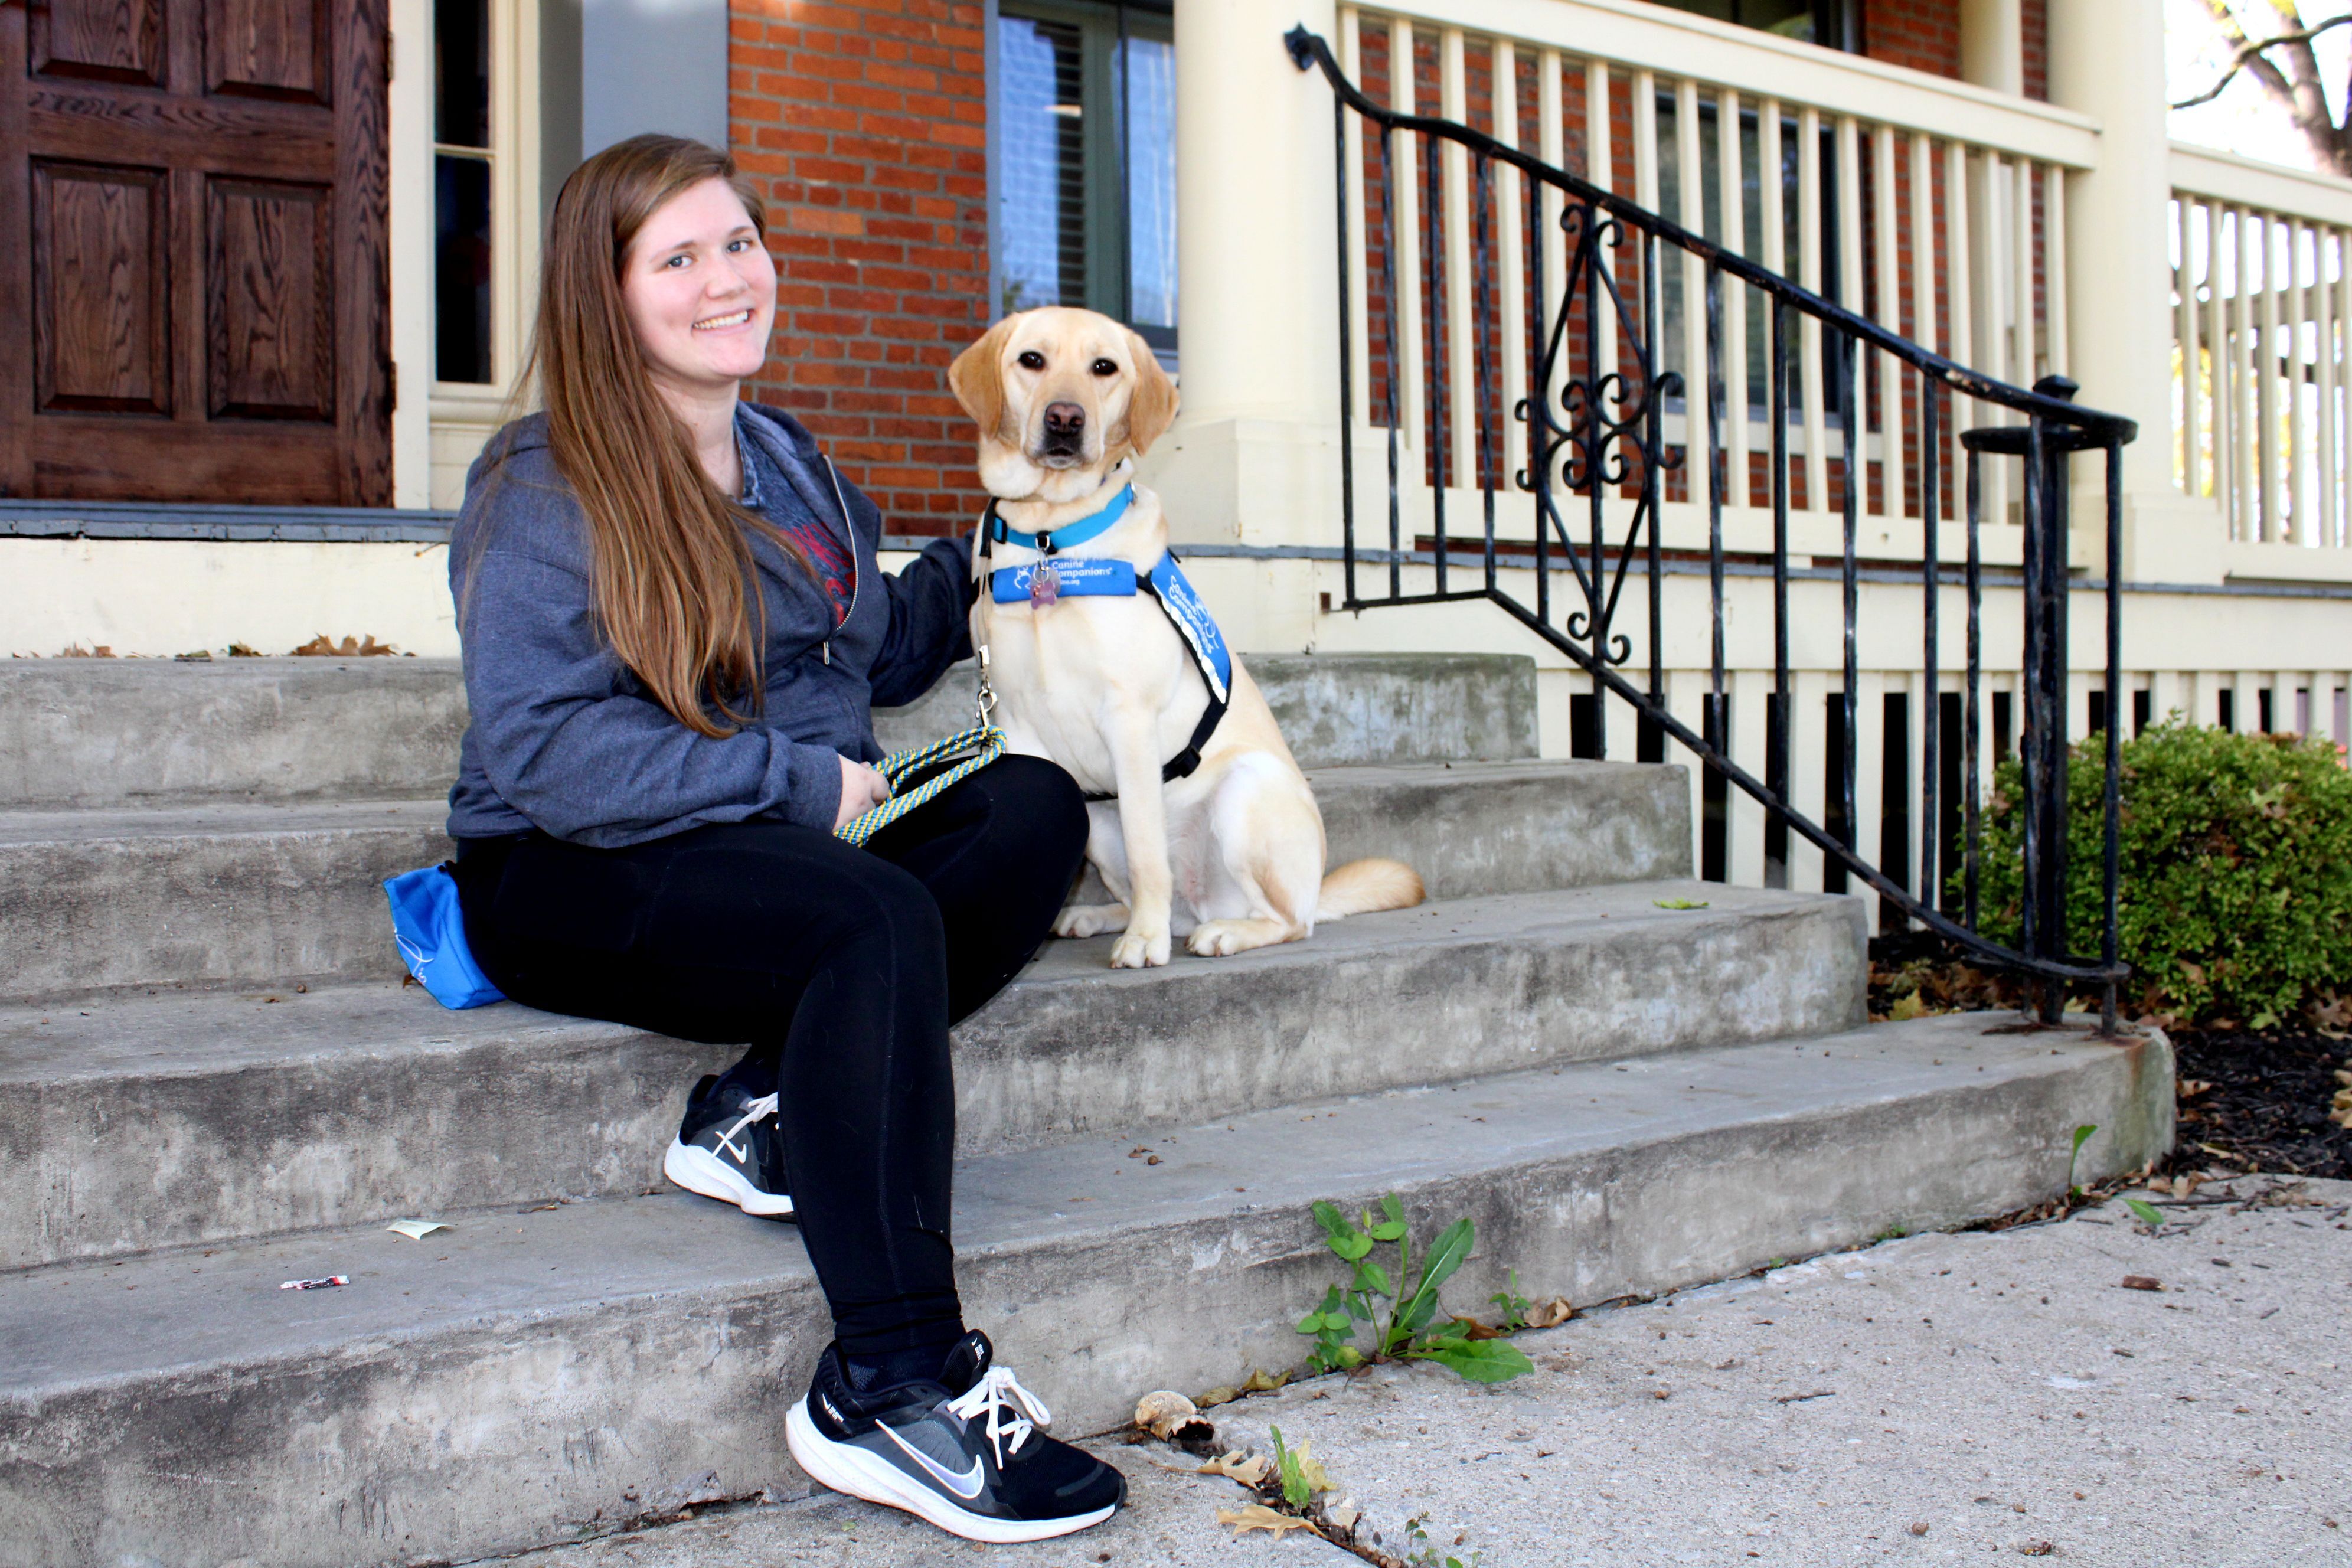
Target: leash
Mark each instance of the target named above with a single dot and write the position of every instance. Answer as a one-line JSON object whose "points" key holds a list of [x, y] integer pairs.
{"points": [[984, 739], [986, 743]]}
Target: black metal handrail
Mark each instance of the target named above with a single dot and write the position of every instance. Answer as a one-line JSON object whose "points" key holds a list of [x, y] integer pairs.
{"points": [[1595, 432]]}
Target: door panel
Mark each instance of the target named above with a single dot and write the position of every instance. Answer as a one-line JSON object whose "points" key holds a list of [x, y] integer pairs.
{"points": [[104, 41], [271, 300], [101, 288], [204, 187], [268, 49]]}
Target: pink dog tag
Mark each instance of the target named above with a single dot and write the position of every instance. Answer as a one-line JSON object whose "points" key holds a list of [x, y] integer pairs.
{"points": [[1044, 585]]}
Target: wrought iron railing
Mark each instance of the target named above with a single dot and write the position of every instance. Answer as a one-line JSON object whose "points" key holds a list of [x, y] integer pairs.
{"points": [[1596, 416]]}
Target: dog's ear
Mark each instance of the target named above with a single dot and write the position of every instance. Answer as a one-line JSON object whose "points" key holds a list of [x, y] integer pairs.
{"points": [[1152, 408], [978, 379]]}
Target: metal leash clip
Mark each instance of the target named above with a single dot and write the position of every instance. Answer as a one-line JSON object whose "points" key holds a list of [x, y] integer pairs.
{"points": [[984, 698]]}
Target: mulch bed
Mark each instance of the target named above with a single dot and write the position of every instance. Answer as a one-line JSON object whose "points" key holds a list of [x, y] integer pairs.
{"points": [[2266, 1107], [2249, 1099]]}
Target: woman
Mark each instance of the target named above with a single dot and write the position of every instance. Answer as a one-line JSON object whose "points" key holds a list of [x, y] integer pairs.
{"points": [[674, 628]]}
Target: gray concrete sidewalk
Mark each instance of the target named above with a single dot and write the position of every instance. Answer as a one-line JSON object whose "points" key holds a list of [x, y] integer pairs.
{"points": [[1927, 1400]]}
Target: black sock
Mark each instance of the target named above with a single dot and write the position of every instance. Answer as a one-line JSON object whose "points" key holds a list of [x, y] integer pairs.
{"points": [[888, 1368], [755, 1075]]}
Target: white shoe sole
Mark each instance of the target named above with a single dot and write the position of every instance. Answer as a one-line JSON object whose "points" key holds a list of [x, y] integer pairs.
{"points": [[697, 1169], [848, 1469]]}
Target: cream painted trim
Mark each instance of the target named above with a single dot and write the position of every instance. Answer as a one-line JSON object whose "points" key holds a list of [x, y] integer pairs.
{"points": [[1636, 36], [2266, 187], [2244, 560], [409, 227], [462, 413]]}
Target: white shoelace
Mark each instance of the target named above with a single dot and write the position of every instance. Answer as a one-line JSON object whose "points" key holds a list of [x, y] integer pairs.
{"points": [[760, 1109], [997, 1393]]}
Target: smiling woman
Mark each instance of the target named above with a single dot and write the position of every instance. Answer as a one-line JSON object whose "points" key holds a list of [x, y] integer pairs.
{"points": [[676, 627]]}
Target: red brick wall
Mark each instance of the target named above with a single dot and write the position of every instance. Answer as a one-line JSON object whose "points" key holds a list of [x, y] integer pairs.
{"points": [[2034, 23], [1922, 34], [865, 123]]}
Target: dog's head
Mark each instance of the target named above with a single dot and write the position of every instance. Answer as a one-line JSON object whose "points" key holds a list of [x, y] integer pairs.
{"points": [[1060, 396]]}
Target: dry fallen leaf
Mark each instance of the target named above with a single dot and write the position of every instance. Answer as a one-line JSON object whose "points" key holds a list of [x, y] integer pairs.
{"points": [[1224, 1393], [1907, 1007], [1250, 1469], [1550, 1314], [1162, 1410], [1310, 1469], [2142, 1282], [1472, 1329], [324, 646], [1261, 1382], [1257, 1516]]}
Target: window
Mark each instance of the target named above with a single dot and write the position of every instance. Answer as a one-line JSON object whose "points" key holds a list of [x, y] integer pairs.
{"points": [[1085, 193], [461, 191], [1832, 24]]}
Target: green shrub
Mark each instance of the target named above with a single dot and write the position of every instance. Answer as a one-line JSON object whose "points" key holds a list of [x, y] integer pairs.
{"points": [[2235, 867]]}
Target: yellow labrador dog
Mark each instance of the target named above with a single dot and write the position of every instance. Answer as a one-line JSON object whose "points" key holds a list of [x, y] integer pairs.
{"points": [[1105, 662]]}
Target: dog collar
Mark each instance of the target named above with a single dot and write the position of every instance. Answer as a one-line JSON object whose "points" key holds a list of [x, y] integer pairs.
{"points": [[1068, 536]]}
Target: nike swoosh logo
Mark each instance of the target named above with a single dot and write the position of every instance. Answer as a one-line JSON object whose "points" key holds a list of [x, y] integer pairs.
{"points": [[965, 1486]]}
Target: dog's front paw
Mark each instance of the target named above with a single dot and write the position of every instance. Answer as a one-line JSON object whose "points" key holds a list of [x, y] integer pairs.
{"points": [[1222, 938], [1141, 948], [1090, 920]]}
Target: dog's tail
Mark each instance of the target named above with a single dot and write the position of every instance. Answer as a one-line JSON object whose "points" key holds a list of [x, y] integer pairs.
{"points": [[1361, 887]]}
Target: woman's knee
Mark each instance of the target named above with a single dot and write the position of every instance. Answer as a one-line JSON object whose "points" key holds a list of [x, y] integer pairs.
{"points": [[1044, 800]]}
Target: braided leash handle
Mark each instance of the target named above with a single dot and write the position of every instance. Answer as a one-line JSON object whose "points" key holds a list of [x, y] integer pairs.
{"points": [[987, 744]]}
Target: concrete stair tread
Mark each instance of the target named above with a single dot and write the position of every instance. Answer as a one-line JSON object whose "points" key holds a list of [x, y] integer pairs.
{"points": [[165, 818], [168, 1031], [221, 820], [94, 732], [76, 1323]]}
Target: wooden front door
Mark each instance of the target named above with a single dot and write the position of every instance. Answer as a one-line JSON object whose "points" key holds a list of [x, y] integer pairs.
{"points": [[193, 281]]}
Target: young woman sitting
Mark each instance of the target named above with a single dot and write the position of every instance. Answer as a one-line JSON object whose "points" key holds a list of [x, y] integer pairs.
{"points": [[675, 628]]}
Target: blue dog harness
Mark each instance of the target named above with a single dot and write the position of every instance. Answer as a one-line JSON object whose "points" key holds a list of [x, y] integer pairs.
{"points": [[1044, 582]]}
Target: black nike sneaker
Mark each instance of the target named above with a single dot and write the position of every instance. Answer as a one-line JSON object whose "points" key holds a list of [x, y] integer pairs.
{"points": [[962, 1450], [730, 1148]]}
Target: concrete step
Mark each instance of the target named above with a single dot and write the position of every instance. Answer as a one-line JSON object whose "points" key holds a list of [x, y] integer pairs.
{"points": [[98, 733], [181, 1118], [280, 891], [526, 1375]]}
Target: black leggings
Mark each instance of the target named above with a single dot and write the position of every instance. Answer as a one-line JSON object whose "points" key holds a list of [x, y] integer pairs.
{"points": [[841, 967]]}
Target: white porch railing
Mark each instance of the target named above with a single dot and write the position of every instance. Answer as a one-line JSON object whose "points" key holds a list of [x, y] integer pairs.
{"points": [[2263, 350], [1933, 207]]}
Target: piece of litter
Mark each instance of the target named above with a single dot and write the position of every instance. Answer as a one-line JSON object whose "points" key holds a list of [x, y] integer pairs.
{"points": [[415, 1229], [315, 1284], [1680, 904]]}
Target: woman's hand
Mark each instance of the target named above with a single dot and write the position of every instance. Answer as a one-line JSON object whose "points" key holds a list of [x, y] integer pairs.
{"points": [[863, 787]]}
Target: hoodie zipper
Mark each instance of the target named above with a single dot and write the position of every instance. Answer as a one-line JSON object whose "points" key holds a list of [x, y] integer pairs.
{"points": [[849, 533]]}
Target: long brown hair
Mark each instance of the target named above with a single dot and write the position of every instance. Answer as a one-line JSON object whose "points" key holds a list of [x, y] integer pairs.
{"points": [[674, 575]]}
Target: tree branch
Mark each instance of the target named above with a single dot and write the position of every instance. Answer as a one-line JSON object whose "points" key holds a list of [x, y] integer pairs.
{"points": [[2248, 53]]}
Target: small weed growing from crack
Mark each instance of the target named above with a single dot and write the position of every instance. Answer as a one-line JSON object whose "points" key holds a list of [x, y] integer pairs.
{"points": [[1416, 1533], [1402, 1331]]}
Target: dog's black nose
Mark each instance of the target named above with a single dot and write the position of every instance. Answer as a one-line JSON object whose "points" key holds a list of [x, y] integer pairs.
{"points": [[1065, 419]]}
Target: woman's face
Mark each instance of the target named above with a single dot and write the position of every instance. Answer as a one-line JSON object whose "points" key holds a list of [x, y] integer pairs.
{"points": [[700, 290]]}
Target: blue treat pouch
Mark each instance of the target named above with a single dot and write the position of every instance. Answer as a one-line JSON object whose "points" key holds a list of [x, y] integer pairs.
{"points": [[431, 930]]}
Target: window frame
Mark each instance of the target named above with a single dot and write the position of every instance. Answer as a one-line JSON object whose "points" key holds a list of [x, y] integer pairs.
{"points": [[1104, 26]]}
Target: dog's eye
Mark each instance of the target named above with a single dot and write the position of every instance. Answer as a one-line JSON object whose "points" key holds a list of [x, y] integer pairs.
{"points": [[1103, 367], [1032, 360]]}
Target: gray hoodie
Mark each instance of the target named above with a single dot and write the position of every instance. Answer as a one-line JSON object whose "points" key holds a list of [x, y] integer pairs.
{"points": [[565, 739]]}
